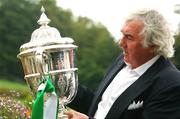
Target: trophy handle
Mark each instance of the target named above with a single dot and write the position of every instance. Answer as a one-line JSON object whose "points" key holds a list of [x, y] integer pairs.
{"points": [[41, 58]]}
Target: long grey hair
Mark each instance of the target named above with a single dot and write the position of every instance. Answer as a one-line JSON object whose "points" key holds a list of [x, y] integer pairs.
{"points": [[156, 31]]}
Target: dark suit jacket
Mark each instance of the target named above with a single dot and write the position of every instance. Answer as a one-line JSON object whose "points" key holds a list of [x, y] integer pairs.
{"points": [[158, 88]]}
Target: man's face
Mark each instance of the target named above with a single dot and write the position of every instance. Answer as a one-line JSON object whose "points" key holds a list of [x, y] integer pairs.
{"points": [[134, 52]]}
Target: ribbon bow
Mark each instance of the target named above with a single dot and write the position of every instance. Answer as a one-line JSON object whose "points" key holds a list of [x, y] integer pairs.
{"points": [[50, 109]]}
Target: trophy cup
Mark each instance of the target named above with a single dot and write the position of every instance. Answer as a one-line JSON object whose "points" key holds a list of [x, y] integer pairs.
{"points": [[48, 53]]}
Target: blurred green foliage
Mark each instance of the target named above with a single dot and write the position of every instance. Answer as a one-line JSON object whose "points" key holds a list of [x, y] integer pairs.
{"points": [[15, 100], [19, 91], [96, 46], [176, 58]]}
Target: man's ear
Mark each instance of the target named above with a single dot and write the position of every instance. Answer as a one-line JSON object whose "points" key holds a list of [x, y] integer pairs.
{"points": [[153, 48]]}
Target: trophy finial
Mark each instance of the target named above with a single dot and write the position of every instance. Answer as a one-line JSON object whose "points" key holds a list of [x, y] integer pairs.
{"points": [[42, 9], [43, 20]]}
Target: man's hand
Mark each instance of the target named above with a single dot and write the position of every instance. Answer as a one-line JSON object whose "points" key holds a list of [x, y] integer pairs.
{"points": [[72, 114]]}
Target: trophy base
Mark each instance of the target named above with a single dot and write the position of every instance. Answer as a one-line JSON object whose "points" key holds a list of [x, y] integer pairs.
{"points": [[62, 116]]}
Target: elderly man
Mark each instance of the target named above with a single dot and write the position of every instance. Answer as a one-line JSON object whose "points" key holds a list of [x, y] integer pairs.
{"points": [[141, 83]]}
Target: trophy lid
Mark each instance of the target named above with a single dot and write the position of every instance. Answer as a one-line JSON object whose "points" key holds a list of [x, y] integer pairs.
{"points": [[45, 35]]}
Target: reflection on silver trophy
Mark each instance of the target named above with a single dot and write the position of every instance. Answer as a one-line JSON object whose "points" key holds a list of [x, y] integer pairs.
{"points": [[48, 53]]}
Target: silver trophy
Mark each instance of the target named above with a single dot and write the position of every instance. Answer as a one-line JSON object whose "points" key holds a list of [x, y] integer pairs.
{"points": [[49, 53]]}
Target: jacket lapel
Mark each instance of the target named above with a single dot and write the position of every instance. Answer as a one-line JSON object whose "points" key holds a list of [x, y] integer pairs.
{"points": [[117, 65], [135, 90]]}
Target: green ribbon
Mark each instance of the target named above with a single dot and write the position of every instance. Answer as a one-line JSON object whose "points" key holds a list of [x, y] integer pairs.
{"points": [[38, 106]]}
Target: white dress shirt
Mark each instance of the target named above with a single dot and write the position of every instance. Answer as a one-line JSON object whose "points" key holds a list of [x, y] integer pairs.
{"points": [[124, 78]]}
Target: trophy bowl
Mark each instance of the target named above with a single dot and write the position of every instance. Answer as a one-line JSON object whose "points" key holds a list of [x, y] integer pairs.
{"points": [[46, 54]]}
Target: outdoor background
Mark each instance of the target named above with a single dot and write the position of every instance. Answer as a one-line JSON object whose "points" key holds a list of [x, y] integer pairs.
{"points": [[18, 19]]}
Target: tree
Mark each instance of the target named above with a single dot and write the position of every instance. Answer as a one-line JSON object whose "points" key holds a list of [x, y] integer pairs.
{"points": [[176, 58], [15, 27], [96, 46]]}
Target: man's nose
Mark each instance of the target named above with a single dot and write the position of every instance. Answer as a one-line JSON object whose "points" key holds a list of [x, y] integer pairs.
{"points": [[122, 42], [119, 42]]}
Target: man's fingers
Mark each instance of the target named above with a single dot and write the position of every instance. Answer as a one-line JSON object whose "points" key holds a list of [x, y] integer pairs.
{"points": [[69, 113]]}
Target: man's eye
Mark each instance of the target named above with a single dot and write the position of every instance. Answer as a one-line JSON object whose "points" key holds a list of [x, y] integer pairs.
{"points": [[129, 37]]}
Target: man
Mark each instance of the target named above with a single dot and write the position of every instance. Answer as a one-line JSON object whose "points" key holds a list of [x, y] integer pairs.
{"points": [[142, 83]]}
